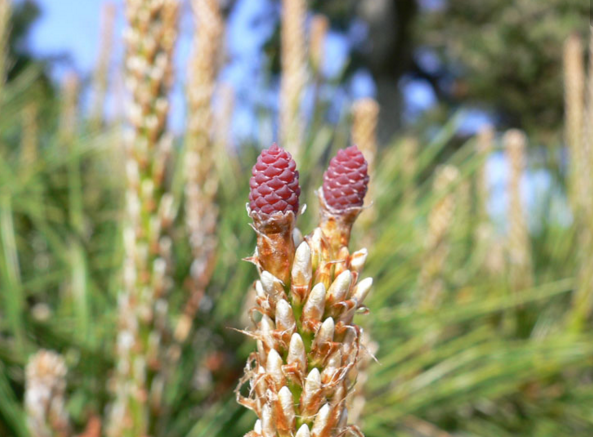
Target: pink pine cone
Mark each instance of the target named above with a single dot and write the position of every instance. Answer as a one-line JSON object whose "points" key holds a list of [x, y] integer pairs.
{"points": [[346, 180], [274, 182]]}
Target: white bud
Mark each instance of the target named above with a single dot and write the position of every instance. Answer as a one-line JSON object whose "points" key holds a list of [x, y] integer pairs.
{"points": [[343, 421], [315, 305], [315, 245], [297, 353], [259, 383], [303, 432], [358, 259], [301, 267], [261, 351], [262, 297], [361, 290], [325, 333], [312, 387], [321, 421], [274, 368], [284, 318], [334, 363], [257, 427], [297, 237], [287, 404], [266, 328], [259, 290], [313, 381], [316, 238], [268, 423], [338, 290], [272, 285]]}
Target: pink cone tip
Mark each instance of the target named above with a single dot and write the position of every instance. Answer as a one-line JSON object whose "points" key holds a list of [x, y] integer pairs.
{"points": [[274, 183], [346, 180]]}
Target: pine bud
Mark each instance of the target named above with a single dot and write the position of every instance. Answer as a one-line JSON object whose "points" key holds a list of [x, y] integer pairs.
{"points": [[321, 421], [314, 308], [272, 286], [274, 368], [303, 432], [258, 427], [287, 408], [273, 206], [345, 184], [268, 422], [358, 260], [322, 343], [297, 355], [275, 183], [266, 329], [334, 363], [285, 322], [361, 290], [310, 398], [338, 290], [302, 272]]}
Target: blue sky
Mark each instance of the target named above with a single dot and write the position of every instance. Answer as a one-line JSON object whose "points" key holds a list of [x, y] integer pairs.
{"points": [[72, 28], [68, 26]]}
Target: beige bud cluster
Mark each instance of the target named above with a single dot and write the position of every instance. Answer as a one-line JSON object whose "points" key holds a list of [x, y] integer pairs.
{"points": [[5, 12], [579, 138], [484, 149], [294, 73], [574, 98], [484, 233], [69, 107], [518, 242], [30, 136], [437, 243], [150, 37], [308, 347], [101, 73], [45, 387], [365, 116], [317, 35], [201, 182]]}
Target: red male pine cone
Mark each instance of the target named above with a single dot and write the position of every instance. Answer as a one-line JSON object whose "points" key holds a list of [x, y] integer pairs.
{"points": [[275, 183], [346, 180]]}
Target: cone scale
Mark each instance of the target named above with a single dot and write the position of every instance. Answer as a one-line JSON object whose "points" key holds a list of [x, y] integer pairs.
{"points": [[299, 380]]}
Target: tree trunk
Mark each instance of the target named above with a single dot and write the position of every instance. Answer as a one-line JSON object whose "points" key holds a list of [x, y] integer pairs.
{"points": [[389, 55]]}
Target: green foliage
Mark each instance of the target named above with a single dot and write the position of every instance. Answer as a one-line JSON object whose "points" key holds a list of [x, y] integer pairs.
{"points": [[461, 368], [487, 362], [505, 55]]}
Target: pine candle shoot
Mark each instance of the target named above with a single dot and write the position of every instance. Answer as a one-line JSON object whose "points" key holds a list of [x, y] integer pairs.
{"points": [[308, 346]]}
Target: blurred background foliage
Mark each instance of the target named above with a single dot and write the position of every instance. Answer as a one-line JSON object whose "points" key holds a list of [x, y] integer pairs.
{"points": [[493, 357]]}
